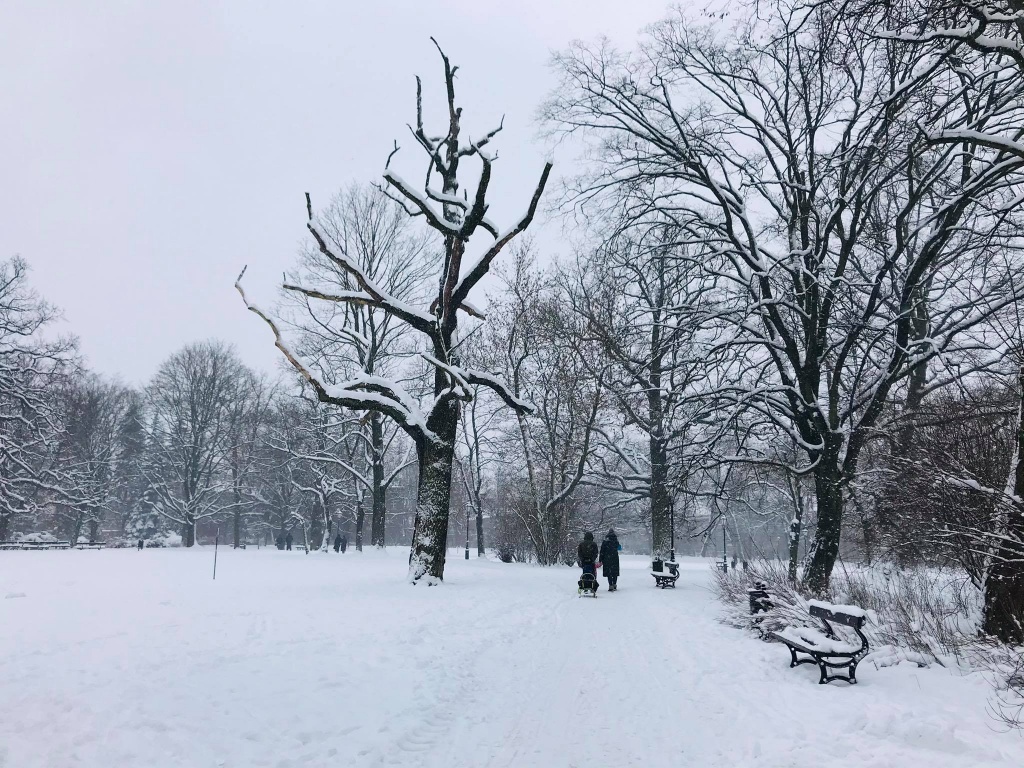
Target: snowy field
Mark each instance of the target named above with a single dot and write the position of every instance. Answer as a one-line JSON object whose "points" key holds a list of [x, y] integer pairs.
{"points": [[122, 658]]}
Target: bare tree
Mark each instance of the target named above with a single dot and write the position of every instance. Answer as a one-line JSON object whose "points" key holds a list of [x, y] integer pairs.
{"points": [[433, 429], [533, 334], [644, 306], [247, 416], [192, 400], [31, 371], [93, 415], [341, 337], [792, 150]]}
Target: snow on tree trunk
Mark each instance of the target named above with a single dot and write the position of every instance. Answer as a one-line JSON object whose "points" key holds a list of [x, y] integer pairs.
{"points": [[661, 502], [377, 515], [433, 497], [829, 493], [795, 527]]}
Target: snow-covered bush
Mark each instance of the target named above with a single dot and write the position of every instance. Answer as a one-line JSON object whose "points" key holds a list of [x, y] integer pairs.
{"points": [[165, 539], [921, 615], [40, 537]]}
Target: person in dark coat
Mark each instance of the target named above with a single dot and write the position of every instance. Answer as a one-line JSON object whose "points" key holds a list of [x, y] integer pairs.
{"points": [[279, 541], [610, 559], [586, 555], [344, 543], [288, 542], [337, 543]]}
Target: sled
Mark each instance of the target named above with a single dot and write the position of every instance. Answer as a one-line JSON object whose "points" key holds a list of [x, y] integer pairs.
{"points": [[587, 585]]}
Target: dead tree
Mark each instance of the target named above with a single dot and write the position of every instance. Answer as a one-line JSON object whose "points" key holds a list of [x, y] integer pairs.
{"points": [[457, 219]]}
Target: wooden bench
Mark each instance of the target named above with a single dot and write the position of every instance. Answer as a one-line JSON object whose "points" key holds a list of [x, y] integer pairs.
{"points": [[664, 578], [827, 649], [89, 545]]}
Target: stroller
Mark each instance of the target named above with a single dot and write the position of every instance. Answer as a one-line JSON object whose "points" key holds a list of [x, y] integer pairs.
{"points": [[588, 581]]}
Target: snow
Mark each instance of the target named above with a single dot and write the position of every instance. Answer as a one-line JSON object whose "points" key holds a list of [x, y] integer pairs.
{"points": [[123, 658], [849, 610], [816, 639]]}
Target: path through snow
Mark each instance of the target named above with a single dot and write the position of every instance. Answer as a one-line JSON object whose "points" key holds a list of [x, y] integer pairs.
{"points": [[125, 658]]}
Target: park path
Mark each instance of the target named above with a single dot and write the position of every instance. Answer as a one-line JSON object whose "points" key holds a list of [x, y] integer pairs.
{"points": [[122, 659]]}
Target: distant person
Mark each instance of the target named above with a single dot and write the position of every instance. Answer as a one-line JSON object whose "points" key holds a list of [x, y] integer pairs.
{"points": [[344, 543], [142, 543], [337, 543], [288, 542], [280, 541], [586, 556], [610, 548]]}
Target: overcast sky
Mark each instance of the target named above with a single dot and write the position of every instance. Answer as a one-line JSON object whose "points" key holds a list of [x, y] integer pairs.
{"points": [[149, 150]]}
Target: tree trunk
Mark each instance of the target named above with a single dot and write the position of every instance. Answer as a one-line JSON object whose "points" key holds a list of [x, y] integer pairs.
{"points": [[94, 531], [188, 532], [479, 531], [661, 509], [795, 528], [5, 525], [76, 528], [326, 545], [1004, 583], [433, 496], [237, 527], [377, 518], [316, 525], [360, 518], [828, 491]]}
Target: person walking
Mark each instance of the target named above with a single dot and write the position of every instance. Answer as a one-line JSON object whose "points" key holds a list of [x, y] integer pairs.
{"points": [[586, 556], [344, 543], [337, 543], [288, 541], [610, 548]]}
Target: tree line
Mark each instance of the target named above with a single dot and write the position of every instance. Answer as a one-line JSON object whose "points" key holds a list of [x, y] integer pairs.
{"points": [[788, 313], [795, 239]]}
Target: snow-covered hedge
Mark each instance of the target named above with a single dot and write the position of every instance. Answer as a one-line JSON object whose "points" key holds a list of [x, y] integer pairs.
{"points": [[41, 537], [165, 539], [926, 616]]}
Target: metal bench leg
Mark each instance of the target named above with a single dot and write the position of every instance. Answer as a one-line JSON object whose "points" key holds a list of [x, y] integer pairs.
{"points": [[853, 673], [794, 662]]}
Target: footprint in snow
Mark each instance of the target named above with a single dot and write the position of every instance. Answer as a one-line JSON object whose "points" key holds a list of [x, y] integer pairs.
{"points": [[12, 595]]}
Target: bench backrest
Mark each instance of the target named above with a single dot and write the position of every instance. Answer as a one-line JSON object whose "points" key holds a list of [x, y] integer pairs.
{"points": [[838, 617]]}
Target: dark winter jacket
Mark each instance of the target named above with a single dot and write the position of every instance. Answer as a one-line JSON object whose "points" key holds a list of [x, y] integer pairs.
{"points": [[610, 554], [337, 543], [587, 551]]}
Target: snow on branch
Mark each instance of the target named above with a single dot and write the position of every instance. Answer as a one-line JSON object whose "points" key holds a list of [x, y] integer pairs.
{"points": [[480, 268], [416, 318], [369, 393]]}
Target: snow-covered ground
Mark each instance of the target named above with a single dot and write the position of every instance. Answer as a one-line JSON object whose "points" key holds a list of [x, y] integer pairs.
{"points": [[122, 658]]}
